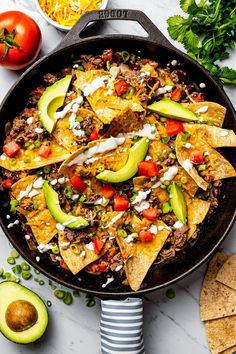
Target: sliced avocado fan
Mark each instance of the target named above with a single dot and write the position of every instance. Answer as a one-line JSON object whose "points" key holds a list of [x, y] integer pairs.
{"points": [[177, 202], [170, 109], [23, 314], [52, 99], [136, 154], [52, 202]]}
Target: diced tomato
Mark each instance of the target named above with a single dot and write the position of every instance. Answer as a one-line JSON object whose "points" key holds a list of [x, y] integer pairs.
{"points": [[78, 184], [145, 236], [150, 214], [102, 267], [145, 61], [93, 135], [98, 244], [148, 168], [121, 87], [196, 156], [198, 97], [11, 148], [108, 191], [44, 151], [174, 127], [7, 183], [107, 55], [176, 95], [93, 268], [209, 178], [63, 265], [121, 203]]}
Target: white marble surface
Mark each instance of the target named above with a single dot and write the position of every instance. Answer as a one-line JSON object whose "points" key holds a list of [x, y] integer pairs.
{"points": [[171, 326]]}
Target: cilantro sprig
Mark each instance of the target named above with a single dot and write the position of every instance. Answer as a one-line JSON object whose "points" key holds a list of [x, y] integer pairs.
{"points": [[208, 34]]}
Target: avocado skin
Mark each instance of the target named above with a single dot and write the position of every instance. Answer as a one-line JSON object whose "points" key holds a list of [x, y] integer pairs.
{"points": [[170, 109], [178, 203], [52, 99], [7, 289], [136, 154], [55, 210]]}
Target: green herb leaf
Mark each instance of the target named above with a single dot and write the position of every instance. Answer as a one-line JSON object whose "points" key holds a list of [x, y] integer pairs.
{"points": [[186, 4], [192, 42], [177, 27]]}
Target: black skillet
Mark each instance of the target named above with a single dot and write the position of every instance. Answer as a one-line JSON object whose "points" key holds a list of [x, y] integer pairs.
{"points": [[155, 45]]}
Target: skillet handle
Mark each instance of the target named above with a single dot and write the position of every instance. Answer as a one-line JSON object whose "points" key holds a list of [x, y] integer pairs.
{"points": [[121, 326], [75, 34]]}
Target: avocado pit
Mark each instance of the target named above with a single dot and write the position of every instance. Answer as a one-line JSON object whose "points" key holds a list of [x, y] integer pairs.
{"points": [[21, 315]]}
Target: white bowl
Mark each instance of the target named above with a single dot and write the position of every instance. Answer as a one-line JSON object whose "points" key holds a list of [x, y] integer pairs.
{"points": [[57, 25]]}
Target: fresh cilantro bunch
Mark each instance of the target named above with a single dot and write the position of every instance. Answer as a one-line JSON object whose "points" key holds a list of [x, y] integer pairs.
{"points": [[208, 34]]}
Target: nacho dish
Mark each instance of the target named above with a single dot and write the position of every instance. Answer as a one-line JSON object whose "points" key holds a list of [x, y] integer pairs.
{"points": [[113, 165]]}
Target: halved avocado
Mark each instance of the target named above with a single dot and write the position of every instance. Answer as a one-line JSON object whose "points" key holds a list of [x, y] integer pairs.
{"points": [[23, 314], [170, 109], [52, 99], [136, 154], [177, 202], [52, 201]]}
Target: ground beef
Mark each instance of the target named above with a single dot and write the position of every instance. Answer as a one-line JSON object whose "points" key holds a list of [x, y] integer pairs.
{"points": [[169, 219], [132, 77], [180, 237], [50, 79], [71, 235], [167, 252]]}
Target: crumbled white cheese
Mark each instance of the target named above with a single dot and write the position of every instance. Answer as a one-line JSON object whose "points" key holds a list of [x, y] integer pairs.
{"points": [[160, 228], [202, 85], [26, 192], [206, 153], [27, 237], [141, 196], [60, 227], [114, 71], [119, 267], [142, 206], [170, 196], [90, 246], [38, 183], [29, 120], [75, 196], [109, 280], [75, 66], [62, 180], [162, 90], [224, 133], [38, 130], [3, 157], [129, 239], [178, 224], [33, 193], [156, 185], [202, 109], [153, 229], [54, 182], [8, 217], [101, 201], [174, 62], [148, 158], [37, 259], [82, 254], [65, 245], [78, 132], [187, 165], [188, 145], [38, 158], [42, 248], [107, 145]]}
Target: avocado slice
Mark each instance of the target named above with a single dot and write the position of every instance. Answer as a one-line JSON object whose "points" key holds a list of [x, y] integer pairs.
{"points": [[52, 99], [23, 314], [170, 109], [52, 201], [177, 202], [136, 155]]}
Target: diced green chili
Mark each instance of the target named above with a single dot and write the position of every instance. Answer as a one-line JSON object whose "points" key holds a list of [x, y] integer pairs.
{"points": [[172, 156], [11, 260], [47, 169], [165, 140], [108, 65], [163, 119], [68, 299], [55, 250], [96, 208], [201, 167], [104, 218], [14, 253], [35, 205], [170, 293], [37, 143], [122, 233], [165, 208], [25, 266], [17, 269], [26, 275], [166, 183], [125, 55], [90, 300], [80, 68], [41, 282], [163, 186], [82, 198], [76, 293], [59, 294], [13, 203]]}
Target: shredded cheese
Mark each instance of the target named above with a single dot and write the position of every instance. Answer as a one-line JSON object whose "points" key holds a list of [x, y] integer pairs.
{"points": [[67, 12]]}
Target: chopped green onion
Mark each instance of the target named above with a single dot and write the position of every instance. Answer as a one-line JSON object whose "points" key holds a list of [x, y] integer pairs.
{"points": [[165, 208], [166, 183], [172, 156], [25, 266], [162, 186], [16, 269], [104, 218], [27, 160], [201, 167], [36, 271], [170, 293], [76, 250], [47, 169], [134, 235], [37, 143], [35, 205], [11, 260], [125, 55], [163, 119], [26, 275], [59, 294], [55, 250], [122, 233], [185, 135], [129, 93], [183, 180], [14, 253], [125, 187], [80, 68], [108, 65], [96, 208], [68, 298], [41, 282], [68, 191], [13, 203], [165, 140], [82, 198], [101, 168], [79, 119]]}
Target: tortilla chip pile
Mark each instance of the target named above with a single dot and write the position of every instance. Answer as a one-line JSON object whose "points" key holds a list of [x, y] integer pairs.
{"points": [[218, 304]]}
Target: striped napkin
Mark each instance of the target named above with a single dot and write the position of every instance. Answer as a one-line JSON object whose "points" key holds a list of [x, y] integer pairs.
{"points": [[121, 327]]}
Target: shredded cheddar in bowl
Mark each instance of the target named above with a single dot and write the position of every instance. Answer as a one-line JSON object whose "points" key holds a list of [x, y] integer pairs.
{"points": [[67, 12]]}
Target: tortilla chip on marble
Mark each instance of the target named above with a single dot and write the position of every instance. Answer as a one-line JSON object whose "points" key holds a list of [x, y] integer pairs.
{"points": [[227, 273], [214, 115], [216, 299], [221, 334], [43, 225]]}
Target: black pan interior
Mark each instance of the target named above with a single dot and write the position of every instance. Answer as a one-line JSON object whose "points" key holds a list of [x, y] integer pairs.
{"points": [[214, 230]]}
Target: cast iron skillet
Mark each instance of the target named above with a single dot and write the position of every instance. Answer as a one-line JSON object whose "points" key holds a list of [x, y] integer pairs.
{"points": [[155, 45]]}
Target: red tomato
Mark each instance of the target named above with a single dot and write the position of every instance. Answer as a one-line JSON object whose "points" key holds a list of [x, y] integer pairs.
{"points": [[174, 127], [198, 97], [11, 149], [108, 191], [148, 168], [23, 35], [78, 184], [98, 245], [7, 183], [176, 95], [150, 214], [121, 87], [145, 236], [121, 203], [64, 265], [196, 156], [93, 135], [102, 267], [107, 55], [44, 151]]}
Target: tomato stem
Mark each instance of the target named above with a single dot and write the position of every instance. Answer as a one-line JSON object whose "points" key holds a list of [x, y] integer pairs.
{"points": [[8, 40]]}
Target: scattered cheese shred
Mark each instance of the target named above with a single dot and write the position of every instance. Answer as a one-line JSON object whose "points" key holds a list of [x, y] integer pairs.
{"points": [[67, 12]]}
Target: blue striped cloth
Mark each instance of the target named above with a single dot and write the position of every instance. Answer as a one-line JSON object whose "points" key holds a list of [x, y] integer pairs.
{"points": [[121, 327]]}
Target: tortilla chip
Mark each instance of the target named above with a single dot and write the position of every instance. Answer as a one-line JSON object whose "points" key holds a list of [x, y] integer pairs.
{"points": [[231, 350], [215, 114], [221, 334], [140, 256], [41, 222], [30, 159], [197, 210], [74, 261], [190, 185], [127, 122], [105, 104], [227, 273], [65, 136], [216, 300]]}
